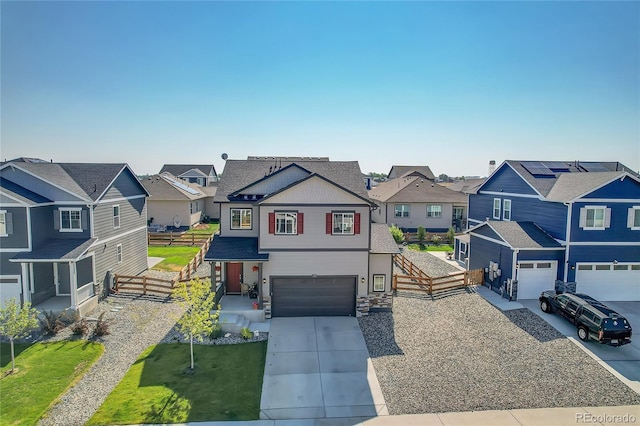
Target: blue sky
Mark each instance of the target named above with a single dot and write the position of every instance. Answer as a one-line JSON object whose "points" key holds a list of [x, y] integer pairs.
{"points": [[448, 84]]}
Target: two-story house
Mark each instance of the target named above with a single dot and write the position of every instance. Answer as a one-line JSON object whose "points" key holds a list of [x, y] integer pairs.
{"points": [[300, 228], [535, 222], [66, 229]]}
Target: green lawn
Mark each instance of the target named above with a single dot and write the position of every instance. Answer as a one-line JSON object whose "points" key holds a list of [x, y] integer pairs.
{"points": [[441, 247], [175, 257], [226, 385], [44, 372]]}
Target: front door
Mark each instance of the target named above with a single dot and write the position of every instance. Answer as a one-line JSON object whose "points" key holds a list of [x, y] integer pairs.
{"points": [[234, 277]]}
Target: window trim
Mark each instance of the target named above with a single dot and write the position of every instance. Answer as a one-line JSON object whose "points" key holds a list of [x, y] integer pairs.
{"points": [[294, 214], [119, 254], [505, 210], [497, 208], [439, 212], [240, 227], [585, 227], [3, 213], [113, 209], [405, 208], [333, 222], [384, 282], [70, 209], [632, 212]]}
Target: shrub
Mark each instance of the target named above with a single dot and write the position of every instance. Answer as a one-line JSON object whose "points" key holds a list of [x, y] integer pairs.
{"points": [[451, 234], [80, 327], [436, 239], [52, 323], [246, 333], [421, 235], [216, 332], [102, 326], [397, 234]]}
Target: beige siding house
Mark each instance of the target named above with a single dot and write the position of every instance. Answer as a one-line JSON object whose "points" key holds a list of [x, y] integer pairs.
{"points": [[300, 229]]}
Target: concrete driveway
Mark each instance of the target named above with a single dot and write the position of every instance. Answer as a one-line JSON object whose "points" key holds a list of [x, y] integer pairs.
{"points": [[319, 367], [624, 360]]}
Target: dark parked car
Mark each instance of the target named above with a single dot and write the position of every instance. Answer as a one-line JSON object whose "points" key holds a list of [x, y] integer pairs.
{"points": [[593, 319]]}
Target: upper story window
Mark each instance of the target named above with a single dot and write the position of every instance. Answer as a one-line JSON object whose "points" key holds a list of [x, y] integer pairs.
{"points": [[434, 210], [194, 207], [286, 223], [633, 218], [240, 218], [343, 223], [116, 216], [3, 223], [458, 212], [595, 217], [70, 220], [506, 210], [496, 208], [403, 210]]}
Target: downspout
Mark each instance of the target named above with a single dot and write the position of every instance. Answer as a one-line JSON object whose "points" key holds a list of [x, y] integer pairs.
{"points": [[514, 269], [565, 278]]}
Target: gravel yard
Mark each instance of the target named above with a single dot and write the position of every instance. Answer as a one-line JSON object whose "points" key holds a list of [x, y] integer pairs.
{"points": [[459, 353], [429, 263]]}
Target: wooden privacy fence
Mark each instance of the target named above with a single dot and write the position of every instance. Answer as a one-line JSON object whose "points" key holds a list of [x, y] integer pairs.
{"points": [[176, 239], [431, 285]]}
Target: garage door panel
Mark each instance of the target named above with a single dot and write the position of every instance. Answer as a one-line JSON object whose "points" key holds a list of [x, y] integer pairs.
{"points": [[10, 287], [615, 282], [308, 296], [536, 277]]}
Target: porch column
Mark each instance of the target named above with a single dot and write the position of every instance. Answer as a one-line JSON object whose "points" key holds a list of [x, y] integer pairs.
{"points": [[73, 278], [56, 278], [26, 294]]}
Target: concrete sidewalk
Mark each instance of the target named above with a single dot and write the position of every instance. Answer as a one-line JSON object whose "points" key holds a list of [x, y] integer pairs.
{"points": [[629, 414]]}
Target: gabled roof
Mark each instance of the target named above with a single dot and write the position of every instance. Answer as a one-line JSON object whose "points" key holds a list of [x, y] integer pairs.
{"points": [[467, 186], [403, 170], [21, 194], [543, 175], [167, 187], [570, 186], [240, 174], [179, 169], [382, 241], [414, 190], [521, 235]]}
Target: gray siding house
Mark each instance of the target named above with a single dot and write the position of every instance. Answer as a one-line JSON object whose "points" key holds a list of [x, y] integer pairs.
{"points": [[66, 229], [300, 229]]}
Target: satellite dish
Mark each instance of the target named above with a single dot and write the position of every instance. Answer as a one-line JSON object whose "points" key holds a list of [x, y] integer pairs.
{"points": [[224, 156]]}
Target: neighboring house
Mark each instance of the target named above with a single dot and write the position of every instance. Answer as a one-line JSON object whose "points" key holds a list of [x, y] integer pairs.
{"points": [[203, 175], [414, 200], [174, 203], [402, 171], [66, 229], [466, 186], [300, 229], [535, 222]]}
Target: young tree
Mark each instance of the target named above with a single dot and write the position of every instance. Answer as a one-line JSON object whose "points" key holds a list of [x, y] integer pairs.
{"points": [[199, 300], [16, 323], [451, 235], [421, 235]]}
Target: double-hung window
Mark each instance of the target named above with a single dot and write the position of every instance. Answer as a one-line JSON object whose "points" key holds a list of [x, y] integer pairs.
{"points": [[116, 216], [286, 223], [506, 210], [595, 217], [378, 282], [403, 210], [434, 210], [496, 208], [633, 218], [240, 218], [343, 223], [70, 220]]}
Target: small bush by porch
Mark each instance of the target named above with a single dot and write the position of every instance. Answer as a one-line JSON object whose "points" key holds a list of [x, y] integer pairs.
{"points": [[44, 372], [226, 385]]}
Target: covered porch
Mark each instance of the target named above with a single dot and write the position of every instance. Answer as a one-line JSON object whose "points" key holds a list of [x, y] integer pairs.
{"points": [[59, 276]]}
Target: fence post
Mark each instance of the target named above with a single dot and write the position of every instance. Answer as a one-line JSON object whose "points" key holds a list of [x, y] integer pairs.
{"points": [[144, 285], [193, 239], [430, 285], [115, 277], [395, 281]]}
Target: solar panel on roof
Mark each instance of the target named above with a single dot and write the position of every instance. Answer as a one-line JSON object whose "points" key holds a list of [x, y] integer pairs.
{"points": [[182, 186], [537, 168], [594, 167], [557, 166]]}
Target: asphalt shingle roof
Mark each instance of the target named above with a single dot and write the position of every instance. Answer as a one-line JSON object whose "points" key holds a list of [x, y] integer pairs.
{"points": [[415, 190], [21, 193], [234, 248], [571, 185], [161, 189], [238, 174], [58, 249], [178, 169], [523, 235], [403, 170], [381, 240]]}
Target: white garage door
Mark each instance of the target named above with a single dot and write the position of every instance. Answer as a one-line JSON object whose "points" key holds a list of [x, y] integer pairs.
{"points": [[608, 281], [536, 277], [10, 287]]}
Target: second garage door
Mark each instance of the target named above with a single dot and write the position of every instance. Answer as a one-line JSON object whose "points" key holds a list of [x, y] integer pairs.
{"points": [[313, 296], [535, 277], [609, 281]]}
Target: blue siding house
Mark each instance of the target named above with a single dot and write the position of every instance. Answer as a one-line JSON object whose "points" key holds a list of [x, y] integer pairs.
{"points": [[533, 223]]}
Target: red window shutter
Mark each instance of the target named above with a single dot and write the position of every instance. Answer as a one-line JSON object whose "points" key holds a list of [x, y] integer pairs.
{"points": [[329, 224], [356, 223], [300, 223], [272, 223]]}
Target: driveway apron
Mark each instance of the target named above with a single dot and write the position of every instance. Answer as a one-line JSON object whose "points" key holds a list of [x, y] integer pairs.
{"points": [[319, 367]]}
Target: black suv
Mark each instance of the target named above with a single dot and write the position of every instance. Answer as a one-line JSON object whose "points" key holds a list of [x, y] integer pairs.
{"points": [[592, 318]]}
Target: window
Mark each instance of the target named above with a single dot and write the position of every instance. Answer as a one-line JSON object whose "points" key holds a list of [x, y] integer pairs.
{"points": [[119, 253], [603, 267], [403, 210], [434, 210], [343, 223], [633, 220], [620, 267], [457, 212], [3, 223], [194, 207], [116, 216], [286, 223], [496, 208], [378, 282], [585, 267], [545, 265], [70, 220], [506, 210], [240, 218], [595, 217]]}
